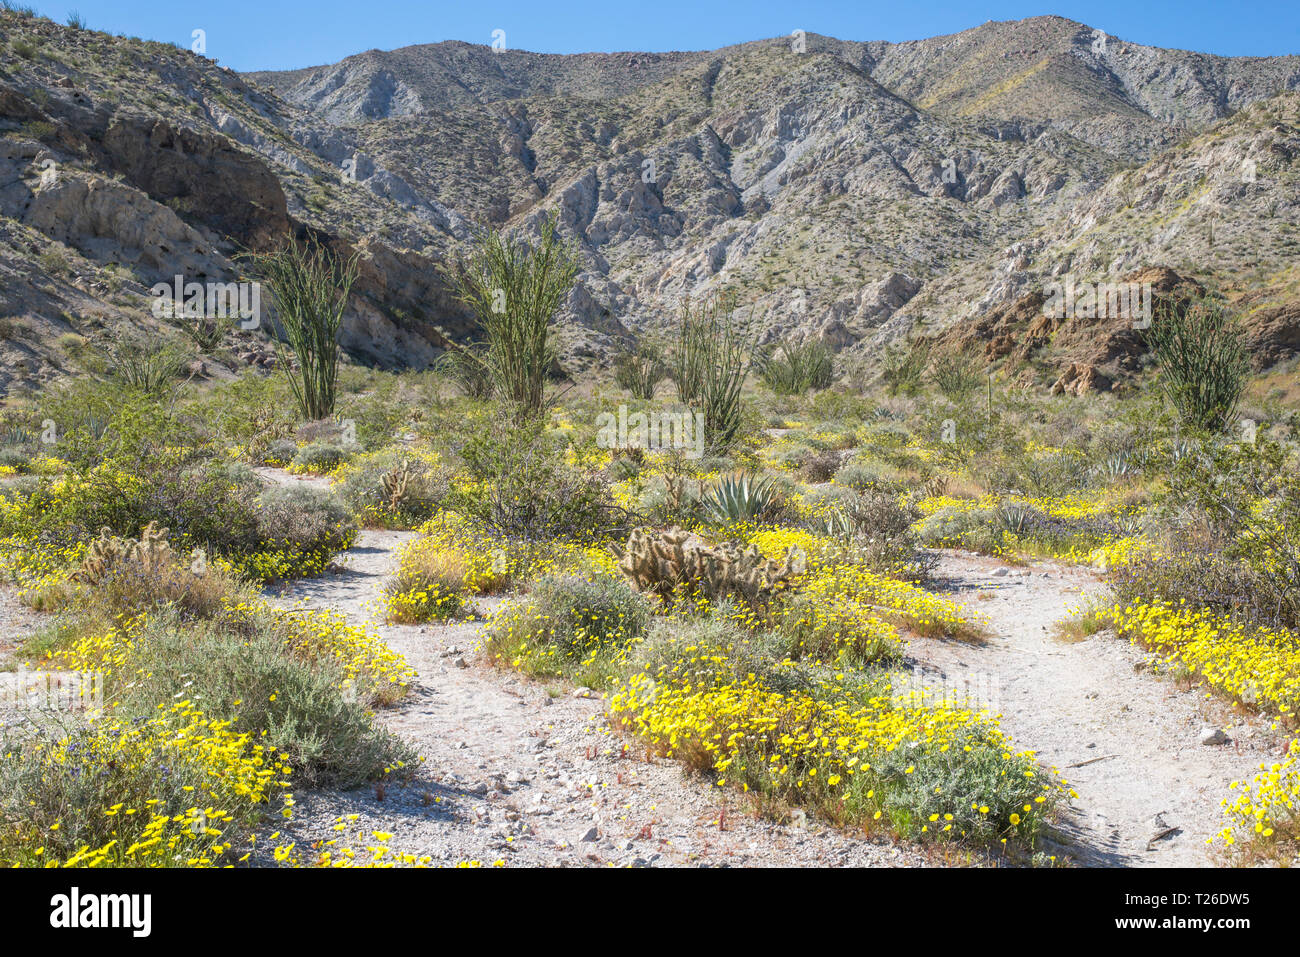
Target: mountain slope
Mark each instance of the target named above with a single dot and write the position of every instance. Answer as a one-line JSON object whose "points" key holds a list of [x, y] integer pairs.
{"points": [[858, 191], [381, 84]]}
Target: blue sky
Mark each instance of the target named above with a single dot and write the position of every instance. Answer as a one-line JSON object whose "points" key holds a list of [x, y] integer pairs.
{"points": [[283, 34]]}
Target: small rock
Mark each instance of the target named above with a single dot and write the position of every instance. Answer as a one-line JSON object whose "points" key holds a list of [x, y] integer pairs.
{"points": [[1213, 736], [593, 834], [1001, 573], [461, 663]]}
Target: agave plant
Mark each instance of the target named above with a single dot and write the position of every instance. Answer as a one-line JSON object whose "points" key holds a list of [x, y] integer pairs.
{"points": [[1117, 466], [835, 524], [1180, 449], [1128, 523], [1013, 517], [740, 498], [17, 435]]}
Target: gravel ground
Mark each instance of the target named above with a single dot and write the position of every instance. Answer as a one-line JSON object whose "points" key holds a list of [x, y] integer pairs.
{"points": [[529, 773], [17, 622], [1128, 742], [513, 773]]}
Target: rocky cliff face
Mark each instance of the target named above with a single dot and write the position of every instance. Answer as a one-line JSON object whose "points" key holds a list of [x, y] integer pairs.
{"points": [[860, 192], [124, 164]]}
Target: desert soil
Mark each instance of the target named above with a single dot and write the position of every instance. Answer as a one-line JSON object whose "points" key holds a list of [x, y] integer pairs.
{"points": [[1127, 741], [528, 772]]}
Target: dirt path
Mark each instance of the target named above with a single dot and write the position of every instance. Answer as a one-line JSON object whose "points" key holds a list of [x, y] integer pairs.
{"points": [[520, 771], [1128, 742], [529, 773]]}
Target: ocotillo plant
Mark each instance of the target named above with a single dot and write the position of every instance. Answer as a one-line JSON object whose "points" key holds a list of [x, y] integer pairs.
{"points": [[1204, 361], [794, 369], [640, 369], [514, 289], [309, 285], [712, 358]]}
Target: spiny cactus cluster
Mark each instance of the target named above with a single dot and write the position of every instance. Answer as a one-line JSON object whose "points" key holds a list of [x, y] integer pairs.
{"points": [[399, 484], [151, 552], [660, 562]]}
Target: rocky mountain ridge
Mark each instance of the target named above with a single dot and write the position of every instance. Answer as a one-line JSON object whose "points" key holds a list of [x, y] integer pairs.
{"points": [[860, 192]]}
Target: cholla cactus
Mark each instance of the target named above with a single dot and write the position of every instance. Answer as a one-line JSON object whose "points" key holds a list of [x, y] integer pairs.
{"points": [[151, 552], [399, 484], [661, 562]]}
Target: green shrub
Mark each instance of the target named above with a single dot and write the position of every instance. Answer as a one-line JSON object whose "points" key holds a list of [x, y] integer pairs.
{"points": [[794, 369], [641, 369], [391, 489], [795, 455], [877, 531], [522, 489], [18, 459], [280, 452], [467, 368], [313, 519], [247, 675], [624, 467], [432, 583], [861, 476], [147, 473], [960, 527], [955, 376], [671, 500], [251, 412], [570, 625], [318, 458], [149, 367], [197, 506], [1227, 528], [903, 367], [56, 785]]}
